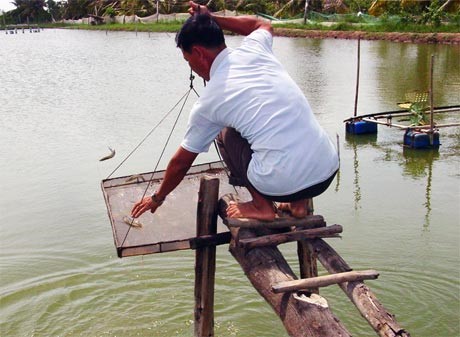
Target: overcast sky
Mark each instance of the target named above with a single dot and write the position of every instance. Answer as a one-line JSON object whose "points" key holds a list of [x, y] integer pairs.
{"points": [[6, 5]]}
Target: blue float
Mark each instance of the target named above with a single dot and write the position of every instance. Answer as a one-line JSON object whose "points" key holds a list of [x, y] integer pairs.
{"points": [[360, 127], [421, 140]]}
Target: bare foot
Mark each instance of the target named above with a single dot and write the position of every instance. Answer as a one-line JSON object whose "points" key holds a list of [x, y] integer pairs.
{"points": [[298, 209], [251, 210], [284, 206]]}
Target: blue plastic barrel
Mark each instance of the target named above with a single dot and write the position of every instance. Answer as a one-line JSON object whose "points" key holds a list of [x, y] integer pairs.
{"points": [[421, 140], [360, 127]]}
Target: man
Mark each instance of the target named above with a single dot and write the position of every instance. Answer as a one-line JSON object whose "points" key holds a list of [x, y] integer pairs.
{"points": [[267, 134]]}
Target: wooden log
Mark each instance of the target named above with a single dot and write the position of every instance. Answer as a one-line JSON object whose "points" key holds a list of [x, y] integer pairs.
{"points": [[324, 281], [205, 258], [383, 322], [279, 238], [266, 266]]}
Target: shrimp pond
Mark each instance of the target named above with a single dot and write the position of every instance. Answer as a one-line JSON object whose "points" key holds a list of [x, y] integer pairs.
{"points": [[68, 95]]}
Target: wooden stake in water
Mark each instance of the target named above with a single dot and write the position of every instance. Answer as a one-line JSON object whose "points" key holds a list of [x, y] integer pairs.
{"points": [[355, 113], [205, 258], [431, 100]]}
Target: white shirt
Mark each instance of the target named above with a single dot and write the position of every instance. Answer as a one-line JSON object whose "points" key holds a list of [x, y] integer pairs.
{"points": [[250, 91]]}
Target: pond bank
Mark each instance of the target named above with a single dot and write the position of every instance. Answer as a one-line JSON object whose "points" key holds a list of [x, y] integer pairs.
{"points": [[441, 38]]}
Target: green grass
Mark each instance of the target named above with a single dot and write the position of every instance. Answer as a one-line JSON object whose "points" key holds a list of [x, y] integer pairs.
{"points": [[170, 26], [376, 27]]}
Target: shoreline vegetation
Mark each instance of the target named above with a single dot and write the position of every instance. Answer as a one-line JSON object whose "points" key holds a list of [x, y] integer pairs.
{"points": [[411, 34]]}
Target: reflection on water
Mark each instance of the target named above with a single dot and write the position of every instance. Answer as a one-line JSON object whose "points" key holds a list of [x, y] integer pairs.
{"points": [[354, 142], [416, 163], [419, 164]]}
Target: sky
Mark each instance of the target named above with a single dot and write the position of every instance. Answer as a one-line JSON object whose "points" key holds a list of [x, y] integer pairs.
{"points": [[6, 5]]}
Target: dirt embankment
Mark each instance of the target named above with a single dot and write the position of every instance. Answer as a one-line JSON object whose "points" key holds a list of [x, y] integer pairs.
{"points": [[441, 38]]}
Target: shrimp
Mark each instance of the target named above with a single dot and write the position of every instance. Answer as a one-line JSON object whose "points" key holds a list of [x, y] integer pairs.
{"points": [[111, 155], [137, 177], [132, 222]]}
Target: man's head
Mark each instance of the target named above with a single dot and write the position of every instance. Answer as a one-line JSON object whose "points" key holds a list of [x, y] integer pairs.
{"points": [[201, 40]]}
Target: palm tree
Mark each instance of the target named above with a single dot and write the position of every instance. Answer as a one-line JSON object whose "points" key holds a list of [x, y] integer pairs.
{"points": [[30, 9]]}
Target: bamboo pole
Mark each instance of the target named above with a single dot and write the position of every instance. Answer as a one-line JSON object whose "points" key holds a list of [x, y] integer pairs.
{"points": [[389, 114], [205, 258], [355, 112], [431, 100], [404, 127]]}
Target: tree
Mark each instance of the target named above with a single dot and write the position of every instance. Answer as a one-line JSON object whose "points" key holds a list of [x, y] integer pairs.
{"points": [[56, 9], [30, 10], [77, 9]]}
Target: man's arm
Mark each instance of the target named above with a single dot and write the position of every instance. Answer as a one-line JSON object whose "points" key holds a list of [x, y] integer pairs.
{"points": [[175, 172], [243, 25]]}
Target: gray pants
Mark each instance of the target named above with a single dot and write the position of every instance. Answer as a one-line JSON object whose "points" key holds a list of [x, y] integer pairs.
{"points": [[236, 153]]}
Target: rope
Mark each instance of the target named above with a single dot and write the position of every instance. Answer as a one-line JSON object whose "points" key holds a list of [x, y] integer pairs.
{"points": [[148, 134], [164, 147]]}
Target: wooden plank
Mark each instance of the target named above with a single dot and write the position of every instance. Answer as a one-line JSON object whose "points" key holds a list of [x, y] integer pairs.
{"points": [[210, 240], [310, 221], [279, 238], [324, 281], [383, 322], [205, 258]]}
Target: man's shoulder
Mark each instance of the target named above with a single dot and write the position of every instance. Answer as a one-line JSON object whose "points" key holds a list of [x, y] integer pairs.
{"points": [[260, 37], [260, 34]]}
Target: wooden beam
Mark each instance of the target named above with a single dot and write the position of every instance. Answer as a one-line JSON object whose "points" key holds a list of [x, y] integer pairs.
{"points": [[205, 258], [383, 322], [324, 281], [279, 238], [310, 221], [210, 240]]}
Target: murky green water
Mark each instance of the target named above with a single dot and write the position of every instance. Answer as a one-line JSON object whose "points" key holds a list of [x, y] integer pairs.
{"points": [[67, 95]]}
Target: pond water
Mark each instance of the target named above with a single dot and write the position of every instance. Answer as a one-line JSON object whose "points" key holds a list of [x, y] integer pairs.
{"points": [[65, 96]]}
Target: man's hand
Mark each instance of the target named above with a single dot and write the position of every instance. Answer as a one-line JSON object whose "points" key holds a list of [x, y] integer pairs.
{"points": [[144, 205], [175, 172], [198, 9]]}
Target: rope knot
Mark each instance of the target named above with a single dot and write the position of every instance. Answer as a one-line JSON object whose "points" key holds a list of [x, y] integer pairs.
{"points": [[192, 77]]}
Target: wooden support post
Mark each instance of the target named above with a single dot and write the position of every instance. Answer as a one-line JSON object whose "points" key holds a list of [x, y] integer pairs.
{"points": [[383, 322], [205, 258], [266, 266], [307, 258]]}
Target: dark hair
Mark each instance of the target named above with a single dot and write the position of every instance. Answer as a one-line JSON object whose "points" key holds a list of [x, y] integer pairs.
{"points": [[202, 30]]}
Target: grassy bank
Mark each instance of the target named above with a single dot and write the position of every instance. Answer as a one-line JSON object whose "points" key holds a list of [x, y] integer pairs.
{"points": [[170, 26], [384, 26], [412, 33]]}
